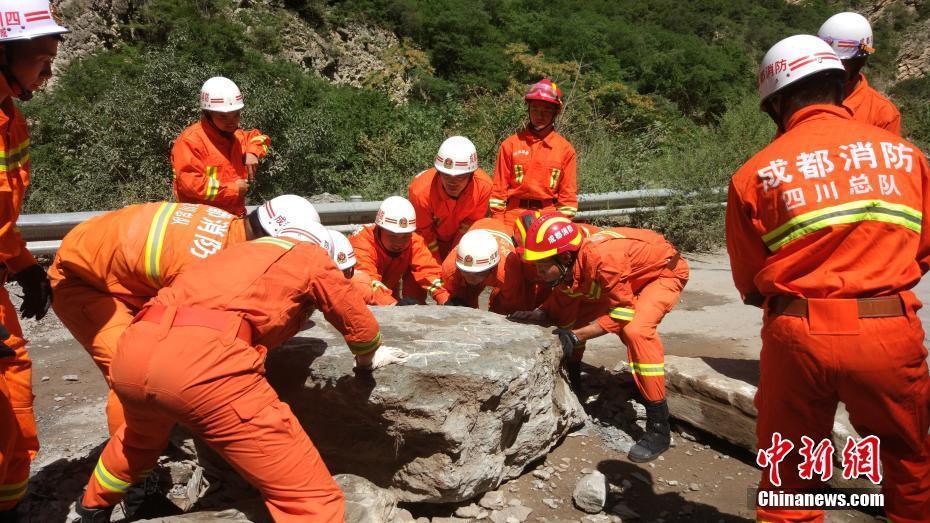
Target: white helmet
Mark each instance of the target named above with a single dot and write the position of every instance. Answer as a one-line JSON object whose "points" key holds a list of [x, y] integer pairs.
{"points": [[477, 251], [849, 34], [220, 94], [309, 231], [396, 214], [28, 19], [280, 212], [343, 252], [457, 155], [792, 59]]}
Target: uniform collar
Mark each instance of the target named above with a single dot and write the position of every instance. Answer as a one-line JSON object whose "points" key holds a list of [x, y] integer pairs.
{"points": [[213, 130], [532, 137], [817, 111]]}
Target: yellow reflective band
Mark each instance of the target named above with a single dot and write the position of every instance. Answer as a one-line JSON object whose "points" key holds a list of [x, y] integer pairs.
{"points": [[213, 183], [571, 211], [608, 234], [362, 348], [259, 139], [568, 292], [15, 157], [433, 246], [500, 235], [435, 286], [648, 369], [497, 204], [852, 212], [554, 177], [108, 481], [595, 291], [155, 242], [622, 314], [375, 284], [13, 491], [275, 241], [518, 174]]}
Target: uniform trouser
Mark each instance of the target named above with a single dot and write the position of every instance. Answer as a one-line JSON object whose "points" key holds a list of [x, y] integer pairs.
{"points": [[211, 382], [645, 351], [96, 319], [18, 441], [879, 373]]}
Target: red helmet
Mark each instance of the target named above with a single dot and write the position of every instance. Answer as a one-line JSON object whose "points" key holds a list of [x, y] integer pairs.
{"points": [[549, 235], [544, 90]]}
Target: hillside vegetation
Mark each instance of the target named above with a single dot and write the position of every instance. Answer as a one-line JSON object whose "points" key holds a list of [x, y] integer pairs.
{"points": [[659, 93]]}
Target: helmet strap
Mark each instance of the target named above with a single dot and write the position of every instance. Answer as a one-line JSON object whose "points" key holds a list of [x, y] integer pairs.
{"points": [[563, 270]]}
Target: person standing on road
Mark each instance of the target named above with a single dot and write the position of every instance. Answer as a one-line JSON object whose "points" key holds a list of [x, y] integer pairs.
{"points": [[536, 168], [214, 160], [850, 36], [827, 230], [29, 38]]}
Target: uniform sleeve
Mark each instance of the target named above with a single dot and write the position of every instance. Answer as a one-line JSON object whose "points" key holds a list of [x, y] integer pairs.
{"points": [[253, 141], [420, 202], [503, 170], [561, 309], [923, 250], [195, 181], [13, 251], [745, 247], [567, 196], [366, 261], [372, 295], [615, 286], [426, 271], [343, 308], [894, 120], [482, 197]]}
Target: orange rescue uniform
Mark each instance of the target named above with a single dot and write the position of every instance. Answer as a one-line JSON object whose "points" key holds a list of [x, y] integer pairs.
{"points": [[534, 173], [18, 441], [207, 164], [195, 356], [627, 280], [109, 266], [835, 211], [386, 270], [872, 108]]}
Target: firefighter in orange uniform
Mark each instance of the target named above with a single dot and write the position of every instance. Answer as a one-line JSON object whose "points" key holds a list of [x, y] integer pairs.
{"points": [[826, 232], [28, 45], [214, 160], [536, 167], [218, 319], [390, 249], [344, 256], [109, 266], [850, 35], [622, 281]]}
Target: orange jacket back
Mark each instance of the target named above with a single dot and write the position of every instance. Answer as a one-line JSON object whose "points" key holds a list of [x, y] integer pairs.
{"points": [[135, 251], [275, 284], [868, 106], [834, 208], [442, 220], [207, 165], [649, 254]]}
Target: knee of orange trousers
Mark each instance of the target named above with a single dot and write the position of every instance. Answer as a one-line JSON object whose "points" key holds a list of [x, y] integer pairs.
{"points": [[779, 516], [647, 359]]}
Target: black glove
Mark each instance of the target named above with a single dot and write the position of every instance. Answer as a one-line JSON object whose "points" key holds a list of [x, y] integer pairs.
{"points": [[568, 340], [407, 301], [37, 292], [456, 302], [5, 350]]}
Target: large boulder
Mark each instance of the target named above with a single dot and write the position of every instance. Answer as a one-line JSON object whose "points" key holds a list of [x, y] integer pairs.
{"points": [[479, 399]]}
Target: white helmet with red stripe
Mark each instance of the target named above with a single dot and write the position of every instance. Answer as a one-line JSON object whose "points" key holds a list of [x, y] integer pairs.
{"points": [[457, 155], [27, 19], [793, 59], [396, 214], [220, 94], [849, 34], [477, 251], [343, 252], [308, 231], [283, 211]]}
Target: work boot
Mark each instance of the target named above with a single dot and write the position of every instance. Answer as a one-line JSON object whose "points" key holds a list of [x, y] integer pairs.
{"points": [[658, 434], [91, 515], [574, 375]]}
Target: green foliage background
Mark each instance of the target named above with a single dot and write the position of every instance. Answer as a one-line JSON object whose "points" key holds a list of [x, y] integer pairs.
{"points": [[659, 94]]}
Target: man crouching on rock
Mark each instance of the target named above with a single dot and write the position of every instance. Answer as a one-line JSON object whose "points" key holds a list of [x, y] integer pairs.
{"points": [[195, 355], [597, 280]]}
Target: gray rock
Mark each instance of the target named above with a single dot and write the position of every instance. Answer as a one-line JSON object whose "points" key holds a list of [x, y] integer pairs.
{"points": [[551, 503], [511, 515], [365, 502], [478, 400], [694, 486], [468, 511], [71, 377], [206, 516], [401, 515], [591, 493], [542, 474], [492, 500]]}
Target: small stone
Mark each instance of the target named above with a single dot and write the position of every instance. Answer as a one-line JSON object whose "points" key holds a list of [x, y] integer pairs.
{"points": [[493, 500], [567, 460], [542, 474], [586, 471], [688, 436], [661, 458], [730, 478], [694, 487], [539, 484], [402, 515], [672, 482], [469, 511], [511, 515], [551, 503], [59, 398], [688, 453], [514, 502], [45, 378], [590, 493], [652, 465], [70, 377], [69, 394]]}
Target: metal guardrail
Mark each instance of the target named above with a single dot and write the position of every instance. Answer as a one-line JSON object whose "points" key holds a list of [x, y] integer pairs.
{"points": [[43, 232]]}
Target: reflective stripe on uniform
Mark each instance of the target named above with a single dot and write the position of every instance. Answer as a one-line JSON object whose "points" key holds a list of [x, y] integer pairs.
{"points": [[595, 292], [261, 140], [155, 242], [494, 203], [852, 212], [13, 491], [275, 241], [622, 314], [607, 234], [648, 369], [362, 348], [108, 481], [213, 183], [435, 286], [375, 284], [15, 157], [433, 246], [554, 177], [518, 174], [568, 211]]}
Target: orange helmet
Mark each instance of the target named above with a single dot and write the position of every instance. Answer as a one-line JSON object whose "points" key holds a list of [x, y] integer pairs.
{"points": [[549, 235], [544, 90]]}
